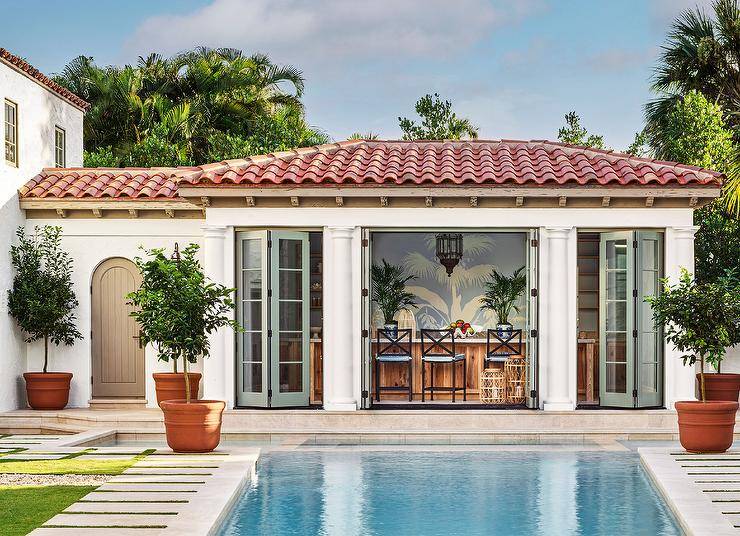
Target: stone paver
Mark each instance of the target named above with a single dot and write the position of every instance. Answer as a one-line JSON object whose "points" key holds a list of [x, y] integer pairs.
{"points": [[685, 482]]}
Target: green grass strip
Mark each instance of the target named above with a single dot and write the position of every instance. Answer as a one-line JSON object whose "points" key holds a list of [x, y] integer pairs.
{"points": [[146, 491], [168, 474], [126, 501], [104, 526], [28, 507], [71, 466], [179, 466], [122, 513]]}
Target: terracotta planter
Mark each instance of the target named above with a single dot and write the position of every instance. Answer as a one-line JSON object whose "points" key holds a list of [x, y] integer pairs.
{"points": [[721, 386], [47, 390], [706, 426], [171, 385], [194, 427]]}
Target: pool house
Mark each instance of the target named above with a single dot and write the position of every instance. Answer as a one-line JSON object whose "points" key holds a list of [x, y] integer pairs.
{"points": [[582, 234]]}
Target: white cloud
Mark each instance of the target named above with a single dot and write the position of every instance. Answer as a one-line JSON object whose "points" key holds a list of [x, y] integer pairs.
{"points": [[618, 60], [323, 34]]}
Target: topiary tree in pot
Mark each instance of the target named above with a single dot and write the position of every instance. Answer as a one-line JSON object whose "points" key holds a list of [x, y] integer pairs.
{"points": [[700, 319], [178, 308], [42, 302]]}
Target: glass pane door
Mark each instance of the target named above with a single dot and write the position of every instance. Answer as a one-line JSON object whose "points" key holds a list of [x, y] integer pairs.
{"points": [[252, 303], [616, 344], [649, 339], [532, 310], [289, 312]]}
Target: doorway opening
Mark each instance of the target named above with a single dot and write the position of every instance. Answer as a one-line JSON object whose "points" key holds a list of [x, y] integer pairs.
{"points": [[280, 306], [620, 352]]}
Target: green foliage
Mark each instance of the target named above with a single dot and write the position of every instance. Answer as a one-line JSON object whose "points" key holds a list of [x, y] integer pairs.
{"points": [[166, 111], [717, 243], [438, 122], [177, 307], [389, 289], [26, 508], [362, 136], [42, 300], [102, 157], [696, 134], [638, 147], [503, 292], [575, 134], [699, 319]]}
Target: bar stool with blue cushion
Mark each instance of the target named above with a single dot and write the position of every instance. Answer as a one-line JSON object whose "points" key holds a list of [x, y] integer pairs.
{"points": [[438, 347], [501, 345], [393, 346]]}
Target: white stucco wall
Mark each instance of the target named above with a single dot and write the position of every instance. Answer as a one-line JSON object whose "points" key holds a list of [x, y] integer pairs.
{"points": [[90, 242], [39, 111]]}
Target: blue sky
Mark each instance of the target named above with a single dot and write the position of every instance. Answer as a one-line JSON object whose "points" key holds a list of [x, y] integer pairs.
{"points": [[515, 67]]}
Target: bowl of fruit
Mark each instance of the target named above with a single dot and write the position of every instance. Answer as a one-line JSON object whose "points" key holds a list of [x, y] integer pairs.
{"points": [[463, 329]]}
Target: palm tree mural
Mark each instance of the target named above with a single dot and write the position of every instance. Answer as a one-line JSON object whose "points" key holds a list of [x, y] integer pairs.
{"points": [[443, 299]]}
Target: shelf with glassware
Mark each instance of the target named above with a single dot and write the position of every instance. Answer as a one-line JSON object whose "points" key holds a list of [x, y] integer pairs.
{"points": [[316, 320]]}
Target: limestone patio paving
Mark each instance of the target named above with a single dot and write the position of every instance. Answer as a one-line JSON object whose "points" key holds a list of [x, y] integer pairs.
{"points": [[702, 490], [164, 493]]}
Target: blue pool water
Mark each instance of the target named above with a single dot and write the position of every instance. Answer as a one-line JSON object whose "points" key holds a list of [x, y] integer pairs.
{"points": [[353, 492]]}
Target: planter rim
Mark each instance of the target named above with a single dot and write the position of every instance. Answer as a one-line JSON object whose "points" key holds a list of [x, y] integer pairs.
{"points": [[170, 374], [709, 405], [36, 375], [719, 374], [182, 404]]}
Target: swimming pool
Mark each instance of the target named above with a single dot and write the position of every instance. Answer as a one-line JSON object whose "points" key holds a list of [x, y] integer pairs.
{"points": [[356, 492]]}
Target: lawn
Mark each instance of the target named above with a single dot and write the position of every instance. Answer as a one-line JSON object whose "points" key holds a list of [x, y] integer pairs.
{"points": [[69, 466], [28, 507]]}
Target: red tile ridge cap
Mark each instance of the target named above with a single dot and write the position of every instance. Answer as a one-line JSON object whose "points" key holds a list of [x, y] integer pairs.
{"points": [[23, 66]]}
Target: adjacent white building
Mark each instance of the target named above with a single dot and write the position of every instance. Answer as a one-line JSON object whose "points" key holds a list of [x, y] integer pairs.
{"points": [[41, 128]]}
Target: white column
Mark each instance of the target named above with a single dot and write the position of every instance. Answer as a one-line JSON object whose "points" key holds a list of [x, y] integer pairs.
{"points": [[339, 332], [214, 383], [556, 359], [679, 253]]}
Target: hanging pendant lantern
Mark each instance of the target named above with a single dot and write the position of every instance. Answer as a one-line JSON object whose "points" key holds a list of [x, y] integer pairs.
{"points": [[449, 250]]}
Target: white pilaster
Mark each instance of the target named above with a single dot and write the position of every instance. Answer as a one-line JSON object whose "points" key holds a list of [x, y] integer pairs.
{"points": [[339, 330], [557, 363], [680, 381], [214, 381]]}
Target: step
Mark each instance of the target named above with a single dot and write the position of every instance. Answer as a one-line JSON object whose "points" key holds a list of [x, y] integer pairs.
{"points": [[118, 403]]}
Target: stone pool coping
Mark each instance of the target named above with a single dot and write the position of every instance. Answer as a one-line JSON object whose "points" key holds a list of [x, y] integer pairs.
{"points": [[698, 499]]}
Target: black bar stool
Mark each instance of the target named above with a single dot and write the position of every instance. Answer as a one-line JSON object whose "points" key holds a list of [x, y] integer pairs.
{"points": [[438, 346], [393, 346]]}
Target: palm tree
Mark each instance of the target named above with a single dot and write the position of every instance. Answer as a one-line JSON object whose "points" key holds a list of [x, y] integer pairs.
{"points": [[702, 54]]}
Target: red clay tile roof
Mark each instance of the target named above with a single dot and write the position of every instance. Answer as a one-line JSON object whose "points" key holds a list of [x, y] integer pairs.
{"points": [[485, 163], [24, 66], [126, 183], [408, 163]]}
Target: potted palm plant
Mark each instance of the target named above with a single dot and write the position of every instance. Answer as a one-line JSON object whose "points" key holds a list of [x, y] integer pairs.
{"points": [[389, 293], [177, 308], [700, 320], [502, 296], [42, 302]]}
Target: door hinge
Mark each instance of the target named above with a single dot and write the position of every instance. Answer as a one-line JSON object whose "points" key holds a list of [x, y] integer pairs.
{"points": [[269, 393], [269, 333], [365, 394], [365, 292], [269, 242], [91, 333], [634, 393], [365, 334], [533, 394], [634, 244], [634, 293], [269, 293], [365, 242], [535, 243], [533, 292], [91, 380], [533, 333], [634, 333]]}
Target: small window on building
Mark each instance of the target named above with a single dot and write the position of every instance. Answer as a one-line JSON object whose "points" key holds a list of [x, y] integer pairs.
{"points": [[60, 147], [11, 133]]}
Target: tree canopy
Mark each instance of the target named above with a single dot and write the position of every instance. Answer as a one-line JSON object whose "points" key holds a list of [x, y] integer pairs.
{"points": [[197, 106], [438, 122], [574, 133]]}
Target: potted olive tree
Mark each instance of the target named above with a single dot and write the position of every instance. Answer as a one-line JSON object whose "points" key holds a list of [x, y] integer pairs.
{"points": [[700, 320], [502, 296], [42, 302], [177, 308], [389, 293]]}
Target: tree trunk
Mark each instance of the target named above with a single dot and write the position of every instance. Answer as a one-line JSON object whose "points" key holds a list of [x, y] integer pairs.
{"points": [[187, 380], [701, 382], [174, 365], [46, 352]]}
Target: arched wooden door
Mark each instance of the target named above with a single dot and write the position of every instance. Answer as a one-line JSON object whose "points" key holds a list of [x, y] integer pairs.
{"points": [[117, 358]]}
